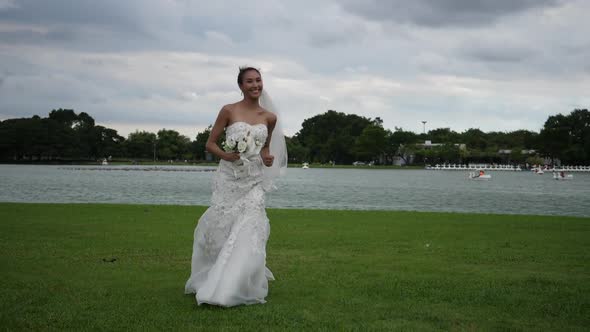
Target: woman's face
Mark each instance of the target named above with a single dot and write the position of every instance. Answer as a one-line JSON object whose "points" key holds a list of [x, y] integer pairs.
{"points": [[251, 84]]}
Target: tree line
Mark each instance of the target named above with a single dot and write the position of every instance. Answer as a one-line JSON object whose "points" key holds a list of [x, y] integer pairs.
{"points": [[65, 135], [344, 138], [331, 137]]}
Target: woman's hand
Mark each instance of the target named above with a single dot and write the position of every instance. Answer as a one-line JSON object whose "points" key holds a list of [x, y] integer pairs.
{"points": [[231, 156], [268, 159]]}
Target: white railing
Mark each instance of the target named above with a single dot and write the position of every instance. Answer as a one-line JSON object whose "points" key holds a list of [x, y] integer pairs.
{"points": [[474, 167], [567, 168], [488, 167]]}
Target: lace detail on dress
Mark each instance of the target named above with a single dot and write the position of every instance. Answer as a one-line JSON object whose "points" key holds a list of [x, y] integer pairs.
{"points": [[231, 236]]}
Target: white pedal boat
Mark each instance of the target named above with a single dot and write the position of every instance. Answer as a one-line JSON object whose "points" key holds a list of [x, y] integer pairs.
{"points": [[478, 177]]}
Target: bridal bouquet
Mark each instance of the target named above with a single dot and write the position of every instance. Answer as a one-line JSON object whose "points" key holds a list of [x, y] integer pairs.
{"points": [[232, 145], [245, 144]]}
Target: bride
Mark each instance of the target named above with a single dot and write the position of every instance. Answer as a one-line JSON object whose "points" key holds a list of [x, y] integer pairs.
{"points": [[229, 252]]}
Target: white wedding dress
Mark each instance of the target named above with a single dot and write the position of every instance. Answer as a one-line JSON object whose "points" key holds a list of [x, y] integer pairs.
{"points": [[229, 252]]}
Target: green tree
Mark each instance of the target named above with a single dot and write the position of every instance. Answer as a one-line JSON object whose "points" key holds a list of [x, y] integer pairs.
{"points": [[401, 143], [107, 142], [578, 151], [172, 145], [516, 156], [474, 139], [66, 117], [331, 136], [567, 137], [443, 135], [63, 136], [449, 153], [296, 152], [86, 141], [371, 144], [141, 144], [198, 145]]}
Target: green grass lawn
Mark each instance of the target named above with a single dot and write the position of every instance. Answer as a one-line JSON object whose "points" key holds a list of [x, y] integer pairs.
{"points": [[335, 270]]}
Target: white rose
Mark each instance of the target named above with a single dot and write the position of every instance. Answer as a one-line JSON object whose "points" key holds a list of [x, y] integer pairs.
{"points": [[229, 145], [242, 146]]}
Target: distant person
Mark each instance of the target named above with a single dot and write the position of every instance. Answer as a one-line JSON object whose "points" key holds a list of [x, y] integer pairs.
{"points": [[229, 252]]}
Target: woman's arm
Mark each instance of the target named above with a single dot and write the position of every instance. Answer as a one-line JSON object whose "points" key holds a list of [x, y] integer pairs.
{"points": [[267, 158], [211, 145]]}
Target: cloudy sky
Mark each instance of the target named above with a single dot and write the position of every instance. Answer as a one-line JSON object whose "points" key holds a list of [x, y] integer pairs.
{"points": [[152, 64]]}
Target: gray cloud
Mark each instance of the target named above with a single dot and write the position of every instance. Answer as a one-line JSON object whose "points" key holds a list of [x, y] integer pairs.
{"points": [[108, 25], [85, 12], [31, 36], [499, 55], [333, 37], [88, 25], [330, 31], [152, 63], [440, 13], [497, 51], [7, 4]]}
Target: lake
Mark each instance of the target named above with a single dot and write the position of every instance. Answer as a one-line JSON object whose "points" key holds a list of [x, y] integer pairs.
{"points": [[357, 189]]}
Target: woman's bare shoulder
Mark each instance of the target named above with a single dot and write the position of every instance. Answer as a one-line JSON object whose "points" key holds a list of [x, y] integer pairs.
{"points": [[271, 118], [268, 115], [226, 110], [229, 107]]}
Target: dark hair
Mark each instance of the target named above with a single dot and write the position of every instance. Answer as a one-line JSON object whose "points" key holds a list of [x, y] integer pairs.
{"points": [[243, 71]]}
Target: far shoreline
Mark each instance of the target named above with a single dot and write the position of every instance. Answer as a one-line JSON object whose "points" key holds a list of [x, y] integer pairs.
{"points": [[209, 164]]}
